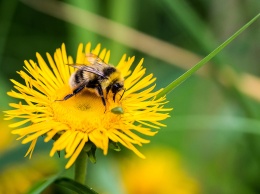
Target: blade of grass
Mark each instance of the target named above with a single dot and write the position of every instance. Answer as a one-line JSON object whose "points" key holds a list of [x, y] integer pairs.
{"points": [[75, 186], [191, 71], [42, 185]]}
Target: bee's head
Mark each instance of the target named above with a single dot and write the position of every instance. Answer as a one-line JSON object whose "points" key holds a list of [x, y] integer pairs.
{"points": [[117, 87]]}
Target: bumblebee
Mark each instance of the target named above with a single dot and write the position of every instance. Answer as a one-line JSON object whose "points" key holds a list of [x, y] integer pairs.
{"points": [[98, 76]]}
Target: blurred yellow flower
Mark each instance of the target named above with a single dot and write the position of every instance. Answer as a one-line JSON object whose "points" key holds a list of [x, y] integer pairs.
{"points": [[160, 173], [81, 119], [6, 139], [16, 177]]}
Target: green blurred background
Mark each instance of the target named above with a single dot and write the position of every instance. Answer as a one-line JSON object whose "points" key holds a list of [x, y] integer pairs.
{"points": [[215, 122]]}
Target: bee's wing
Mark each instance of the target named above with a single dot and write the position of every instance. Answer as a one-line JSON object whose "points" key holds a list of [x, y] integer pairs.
{"points": [[95, 60], [88, 69]]}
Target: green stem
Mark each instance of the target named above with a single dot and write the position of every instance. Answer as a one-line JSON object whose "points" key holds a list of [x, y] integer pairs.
{"points": [[188, 73], [81, 167]]}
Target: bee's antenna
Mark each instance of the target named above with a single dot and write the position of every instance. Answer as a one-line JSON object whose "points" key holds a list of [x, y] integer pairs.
{"points": [[122, 94]]}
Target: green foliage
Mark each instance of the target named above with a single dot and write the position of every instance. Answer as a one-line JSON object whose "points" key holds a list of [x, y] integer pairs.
{"points": [[214, 125], [75, 186], [43, 184]]}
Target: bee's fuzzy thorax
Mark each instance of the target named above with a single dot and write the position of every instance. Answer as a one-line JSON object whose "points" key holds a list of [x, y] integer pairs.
{"points": [[116, 76]]}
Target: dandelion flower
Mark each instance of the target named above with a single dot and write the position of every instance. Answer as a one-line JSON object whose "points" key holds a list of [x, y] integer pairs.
{"points": [[83, 118], [168, 174]]}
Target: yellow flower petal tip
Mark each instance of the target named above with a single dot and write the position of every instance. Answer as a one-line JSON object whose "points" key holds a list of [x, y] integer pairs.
{"points": [[86, 116]]}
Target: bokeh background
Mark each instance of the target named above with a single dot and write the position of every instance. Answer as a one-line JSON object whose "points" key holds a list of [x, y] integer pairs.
{"points": [[211, 143]]}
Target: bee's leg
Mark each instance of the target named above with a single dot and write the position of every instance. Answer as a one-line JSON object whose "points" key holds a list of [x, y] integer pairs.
{"points": [[107, 90], [68, 96], [101, 94], [114, 97], [77, 90]]}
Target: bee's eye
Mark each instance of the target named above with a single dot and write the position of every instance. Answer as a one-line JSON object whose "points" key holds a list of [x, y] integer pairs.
{"points": [[116, 87]]}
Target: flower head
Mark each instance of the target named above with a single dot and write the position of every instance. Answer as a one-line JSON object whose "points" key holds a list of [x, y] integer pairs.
{"points": [[168, 174], [84, 118]]}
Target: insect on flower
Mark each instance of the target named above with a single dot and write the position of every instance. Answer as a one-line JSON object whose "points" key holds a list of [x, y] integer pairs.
{"points": [[97, 76], [79, 120], [117, 110]]}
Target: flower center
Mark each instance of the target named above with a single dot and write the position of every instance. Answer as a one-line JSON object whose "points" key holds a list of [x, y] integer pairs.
{"points": [[84, 111]]}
